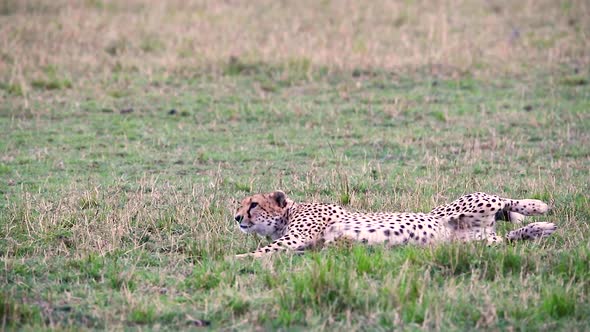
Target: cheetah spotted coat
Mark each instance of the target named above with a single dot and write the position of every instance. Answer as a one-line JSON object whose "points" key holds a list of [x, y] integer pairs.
{"points": [[298, 226]]}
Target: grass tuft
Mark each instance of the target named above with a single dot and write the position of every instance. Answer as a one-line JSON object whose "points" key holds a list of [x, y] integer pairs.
{"points": [[558, 303]]}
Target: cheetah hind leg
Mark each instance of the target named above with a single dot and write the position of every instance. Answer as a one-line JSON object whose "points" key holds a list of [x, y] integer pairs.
{"points": [[335, 235], [515, 210], [529, 207], [525, 207], [535, 230]]}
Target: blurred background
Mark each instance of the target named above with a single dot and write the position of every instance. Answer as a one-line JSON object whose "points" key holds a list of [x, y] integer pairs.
{"points": [[90, 38]]}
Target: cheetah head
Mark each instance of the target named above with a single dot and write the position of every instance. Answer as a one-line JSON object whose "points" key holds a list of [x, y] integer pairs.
{"points": [[263, 214]]}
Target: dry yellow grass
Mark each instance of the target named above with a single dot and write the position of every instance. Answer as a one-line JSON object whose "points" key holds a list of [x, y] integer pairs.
{"points": [[477, 37]]}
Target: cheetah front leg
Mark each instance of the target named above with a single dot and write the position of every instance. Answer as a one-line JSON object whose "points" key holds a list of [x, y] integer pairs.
{"points": [[290, 241]]}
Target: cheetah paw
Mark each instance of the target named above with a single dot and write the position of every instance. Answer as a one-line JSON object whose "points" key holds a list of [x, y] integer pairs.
{"points": [[534, 230], [542, 229], [533, 207]]}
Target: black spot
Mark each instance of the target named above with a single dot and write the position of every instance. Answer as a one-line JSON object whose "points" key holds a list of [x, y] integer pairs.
{"points": [[364, 241], [371, 230], [267, 250], [357, 231], [387, 232], [199, 322], [420, 226]]}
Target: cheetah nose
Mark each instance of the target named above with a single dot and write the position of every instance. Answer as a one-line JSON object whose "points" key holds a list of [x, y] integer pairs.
{"points": [[239, 218]]}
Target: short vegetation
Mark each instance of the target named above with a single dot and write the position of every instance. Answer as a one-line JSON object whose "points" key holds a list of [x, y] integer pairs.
{"points": [[129, 130]]}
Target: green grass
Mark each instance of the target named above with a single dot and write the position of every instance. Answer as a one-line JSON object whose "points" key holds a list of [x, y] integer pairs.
{"points": [[118, 185]]}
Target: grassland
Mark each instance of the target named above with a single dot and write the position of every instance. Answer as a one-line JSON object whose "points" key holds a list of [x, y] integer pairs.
{"points": [[128, 130]]}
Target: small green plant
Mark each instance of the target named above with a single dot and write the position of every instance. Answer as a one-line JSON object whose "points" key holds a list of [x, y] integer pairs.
{"points": [[13, 89], [52, 80], [576, 80], [152, 44], [237, 305], [144, 314], [16, 314], [558, 303]]}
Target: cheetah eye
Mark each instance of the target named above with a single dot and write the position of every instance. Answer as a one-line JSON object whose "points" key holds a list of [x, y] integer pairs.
{"points": [[253, 205]]}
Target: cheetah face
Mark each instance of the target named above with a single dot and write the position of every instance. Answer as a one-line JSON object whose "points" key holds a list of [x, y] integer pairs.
{"points": [[262, 213]]}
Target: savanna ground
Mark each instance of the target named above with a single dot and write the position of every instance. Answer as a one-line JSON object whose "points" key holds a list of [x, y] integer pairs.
{"points": [[128, 130]]}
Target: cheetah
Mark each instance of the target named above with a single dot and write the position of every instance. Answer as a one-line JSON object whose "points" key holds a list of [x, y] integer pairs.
{"points": [[299, 226]]}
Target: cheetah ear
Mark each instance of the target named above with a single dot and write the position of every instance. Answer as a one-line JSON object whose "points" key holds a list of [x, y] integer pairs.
{"points": [[280, 198]]}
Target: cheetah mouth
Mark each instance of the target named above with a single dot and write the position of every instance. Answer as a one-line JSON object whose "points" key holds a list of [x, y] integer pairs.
{"points": [[246, 229]]}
